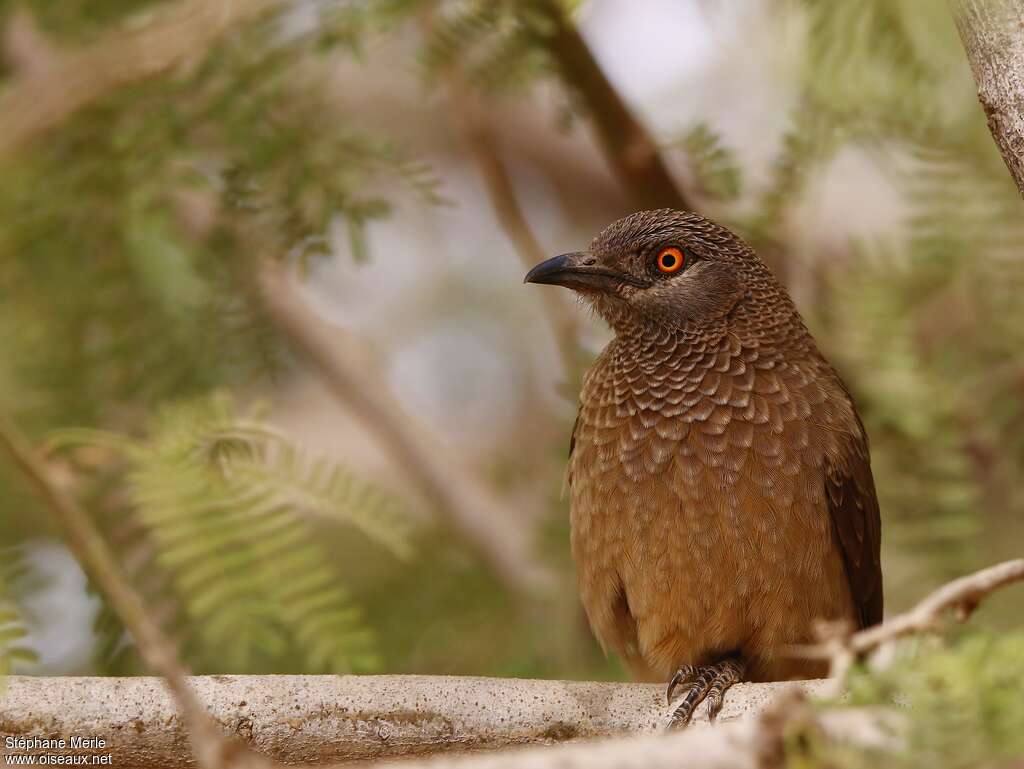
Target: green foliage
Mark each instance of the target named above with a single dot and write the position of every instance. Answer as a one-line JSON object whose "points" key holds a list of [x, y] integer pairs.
{"points": [[890, 68], [809, 142], [717, 174], [78, 20], [232, 511], [964, 698], [12, 623], [934, 327], [945, 415], [961, 704], [164, 175], [129, 268], [286, 157], [501, 46], [134, 234], [926, 328]]}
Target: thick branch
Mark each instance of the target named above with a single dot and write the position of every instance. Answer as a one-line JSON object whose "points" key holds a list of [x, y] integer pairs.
{"points": [[317, 719], [95, 557], [750, 743], [629, 148], [497, 533], [730, 746], [992, 32], [48, 94]]}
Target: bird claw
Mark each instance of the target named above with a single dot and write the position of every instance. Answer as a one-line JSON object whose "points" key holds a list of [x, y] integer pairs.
{"points": [[682, 675], [708, 682]]}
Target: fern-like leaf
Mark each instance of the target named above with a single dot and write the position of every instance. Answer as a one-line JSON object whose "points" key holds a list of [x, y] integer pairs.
{"points": [[500, 46], [234, 512], [13, 630]]}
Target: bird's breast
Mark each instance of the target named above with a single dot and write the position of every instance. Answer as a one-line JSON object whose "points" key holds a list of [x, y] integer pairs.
{"points": [[692, 498]]}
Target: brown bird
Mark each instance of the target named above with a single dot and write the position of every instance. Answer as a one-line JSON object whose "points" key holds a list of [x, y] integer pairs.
{"points": [[721, 488]]}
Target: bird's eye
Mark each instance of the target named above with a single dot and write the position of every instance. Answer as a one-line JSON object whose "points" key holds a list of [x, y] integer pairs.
{"points": [[671, 259]]}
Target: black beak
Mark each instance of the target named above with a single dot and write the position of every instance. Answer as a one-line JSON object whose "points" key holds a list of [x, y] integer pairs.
{"points": [[577, 270]]}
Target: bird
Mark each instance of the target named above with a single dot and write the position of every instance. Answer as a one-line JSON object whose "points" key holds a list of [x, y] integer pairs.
{"points": [[721, 495]]}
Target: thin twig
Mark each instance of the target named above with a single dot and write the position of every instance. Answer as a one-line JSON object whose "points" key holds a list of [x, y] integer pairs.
{"points": [[497, 532], [211, 749], [961, 596]]}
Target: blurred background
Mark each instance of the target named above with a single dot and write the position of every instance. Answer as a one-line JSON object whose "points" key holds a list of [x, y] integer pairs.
{"points": [[262, 309]]}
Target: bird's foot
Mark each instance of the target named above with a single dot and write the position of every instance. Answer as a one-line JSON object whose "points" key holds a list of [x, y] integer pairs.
{"points": [[707, 682]]}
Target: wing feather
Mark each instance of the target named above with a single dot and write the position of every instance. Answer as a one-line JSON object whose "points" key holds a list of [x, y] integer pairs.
{"points": [[853, 507]]}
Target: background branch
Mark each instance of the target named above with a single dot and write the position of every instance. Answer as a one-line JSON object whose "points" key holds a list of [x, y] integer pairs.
{"points": [[482, 145], [496, 532], [627, 145]]}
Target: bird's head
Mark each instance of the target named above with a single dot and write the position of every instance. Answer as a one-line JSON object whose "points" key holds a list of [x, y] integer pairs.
{"points": [[665, 267]]}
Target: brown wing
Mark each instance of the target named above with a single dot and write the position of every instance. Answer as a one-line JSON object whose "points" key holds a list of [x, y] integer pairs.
{"points": [[856, 522]]}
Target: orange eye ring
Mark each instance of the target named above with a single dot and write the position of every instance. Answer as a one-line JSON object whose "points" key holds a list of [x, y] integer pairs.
{"points": [[671, 259]]}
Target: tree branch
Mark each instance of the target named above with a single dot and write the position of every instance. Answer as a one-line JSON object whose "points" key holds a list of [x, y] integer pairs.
{"points": [[497, 532], [88, 546], [749, 743], [627, 145], [49, 92], [962, 595], [318, 719], [992, 32]]}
